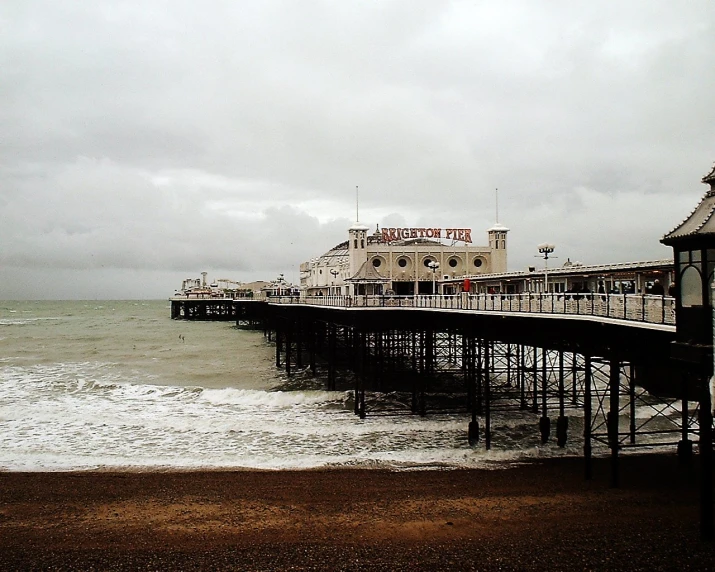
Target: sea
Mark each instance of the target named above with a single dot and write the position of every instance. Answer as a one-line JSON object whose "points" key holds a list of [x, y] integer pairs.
{"points": [[104, 385]]}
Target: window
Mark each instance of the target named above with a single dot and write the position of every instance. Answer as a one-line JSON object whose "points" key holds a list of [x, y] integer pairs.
{"points": [[453, 262], [402, 262], [362, 243], [427, 261], [356, 243], [477, 262], [691, 288], [376, 262]]}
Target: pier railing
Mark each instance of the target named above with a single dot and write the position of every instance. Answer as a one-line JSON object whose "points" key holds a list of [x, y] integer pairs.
{"points": [[632, 307]]}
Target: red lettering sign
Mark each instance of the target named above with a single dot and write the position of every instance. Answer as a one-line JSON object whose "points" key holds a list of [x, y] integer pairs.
{"points": [[454, 234]]}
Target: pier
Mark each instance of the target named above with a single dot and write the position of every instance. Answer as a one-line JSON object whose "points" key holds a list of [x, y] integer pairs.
{"points": [[601, 360], [603, 344]]}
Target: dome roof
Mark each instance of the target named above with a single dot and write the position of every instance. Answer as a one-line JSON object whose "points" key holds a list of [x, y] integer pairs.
{"points": [[357, 225], [498, 228]]}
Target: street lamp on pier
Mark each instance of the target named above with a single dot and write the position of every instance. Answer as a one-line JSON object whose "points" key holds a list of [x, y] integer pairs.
{"points": [[280, 284], [434, 265], [545, 249], [335, 275]]}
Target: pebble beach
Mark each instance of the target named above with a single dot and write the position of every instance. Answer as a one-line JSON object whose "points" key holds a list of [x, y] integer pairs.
{"points": [[539, 515]]}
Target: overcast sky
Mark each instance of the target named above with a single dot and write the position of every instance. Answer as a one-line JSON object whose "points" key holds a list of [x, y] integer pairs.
{"points": [[142, 142]]}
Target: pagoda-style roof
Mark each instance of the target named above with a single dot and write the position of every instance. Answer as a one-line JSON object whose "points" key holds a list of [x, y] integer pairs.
{"points": [[701, 221], [367, 273]]}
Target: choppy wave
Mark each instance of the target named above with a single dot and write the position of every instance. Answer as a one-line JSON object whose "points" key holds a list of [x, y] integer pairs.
{"points": [[25, 321], [136, 394], [87, 416]]}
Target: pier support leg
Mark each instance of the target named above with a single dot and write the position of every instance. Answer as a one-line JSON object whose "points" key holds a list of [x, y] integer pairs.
{"points": [[300, 332], [312, 335], [471, 379], [544, 422], [588, 469], [685, 445], [488, 367], [480, 373], [632, 405], [574, 378], [279, 347], [465, 373], [535, 377], [562, 423], [612, 418], [508, 365], [332, 356], [289, 348], [705, 449], [523, 403]]}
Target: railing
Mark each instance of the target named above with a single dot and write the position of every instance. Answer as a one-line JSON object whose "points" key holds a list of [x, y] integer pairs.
{"points": [[632, 307], [212, 296]]}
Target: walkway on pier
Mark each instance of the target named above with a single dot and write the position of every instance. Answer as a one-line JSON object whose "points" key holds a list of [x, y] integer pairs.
{"points": [[641, 309]]}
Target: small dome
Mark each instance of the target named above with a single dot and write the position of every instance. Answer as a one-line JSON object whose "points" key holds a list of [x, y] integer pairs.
{"points": [[498, 228], [357, 225]]}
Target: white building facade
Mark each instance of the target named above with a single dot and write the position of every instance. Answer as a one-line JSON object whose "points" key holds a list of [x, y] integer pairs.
{"points": [[401, 261]]}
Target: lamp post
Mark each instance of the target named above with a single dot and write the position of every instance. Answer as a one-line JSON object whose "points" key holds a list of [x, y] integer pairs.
{"points": [[280, 282], [335, 275], [434, 265], [545, 249]]}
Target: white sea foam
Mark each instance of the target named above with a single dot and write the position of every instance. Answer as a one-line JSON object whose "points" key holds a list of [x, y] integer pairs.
{"points": [[133, 394]]}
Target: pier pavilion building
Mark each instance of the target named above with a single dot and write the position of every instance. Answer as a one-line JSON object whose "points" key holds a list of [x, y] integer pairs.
{"points": [[401, 261], [641, 277]]}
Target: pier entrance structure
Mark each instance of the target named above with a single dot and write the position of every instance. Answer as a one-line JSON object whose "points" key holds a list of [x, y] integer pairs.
{"points": [[401, 261]]}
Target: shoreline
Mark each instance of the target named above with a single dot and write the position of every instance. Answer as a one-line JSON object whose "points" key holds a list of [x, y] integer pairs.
{"points": [[539, 514]]}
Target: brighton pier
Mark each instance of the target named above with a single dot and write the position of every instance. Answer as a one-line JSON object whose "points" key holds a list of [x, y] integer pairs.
{"points": [[629, 369]]}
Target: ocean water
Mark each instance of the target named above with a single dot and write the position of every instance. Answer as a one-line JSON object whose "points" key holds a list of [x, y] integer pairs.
{"points": [[118, 384]]}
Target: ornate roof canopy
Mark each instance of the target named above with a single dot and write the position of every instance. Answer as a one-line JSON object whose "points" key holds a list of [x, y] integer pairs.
{"points": [[701, 221], [367, 273]]}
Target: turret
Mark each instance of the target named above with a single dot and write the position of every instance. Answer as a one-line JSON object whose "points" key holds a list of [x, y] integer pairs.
{"points": [[357, 246], [497, 244]]}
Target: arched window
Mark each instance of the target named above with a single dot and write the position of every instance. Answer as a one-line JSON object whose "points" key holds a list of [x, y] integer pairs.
{"points": [[691, 287]]}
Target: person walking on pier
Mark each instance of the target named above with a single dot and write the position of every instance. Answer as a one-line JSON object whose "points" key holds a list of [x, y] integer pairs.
{"points": [[657, 288]]}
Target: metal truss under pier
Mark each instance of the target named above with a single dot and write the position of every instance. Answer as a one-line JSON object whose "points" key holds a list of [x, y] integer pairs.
{"points": [[611, 381]]}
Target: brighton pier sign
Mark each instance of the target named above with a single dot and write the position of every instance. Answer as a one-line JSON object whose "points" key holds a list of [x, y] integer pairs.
{"points": [[455, 234]]}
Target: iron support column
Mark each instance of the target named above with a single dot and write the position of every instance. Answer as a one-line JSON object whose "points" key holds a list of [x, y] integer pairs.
{"points": [[685, 446], [279, 344], [705, 448], [588, 472], [544, 422], [612, 417], [562, 423], [289, 344], [632, 405], [535, 388], [488, 368]]}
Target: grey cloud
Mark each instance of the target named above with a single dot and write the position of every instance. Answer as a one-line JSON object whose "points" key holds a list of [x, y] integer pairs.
{"points": [[165, 138]]}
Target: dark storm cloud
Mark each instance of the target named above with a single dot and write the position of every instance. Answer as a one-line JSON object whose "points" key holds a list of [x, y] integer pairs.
{"points": [[142, 142]]}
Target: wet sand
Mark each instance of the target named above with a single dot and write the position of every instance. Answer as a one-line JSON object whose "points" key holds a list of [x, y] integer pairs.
{"points": [[538, 516]]}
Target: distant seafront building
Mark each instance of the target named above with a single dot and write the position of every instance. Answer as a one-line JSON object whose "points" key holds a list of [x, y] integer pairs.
{"points": [[403, 261]]}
